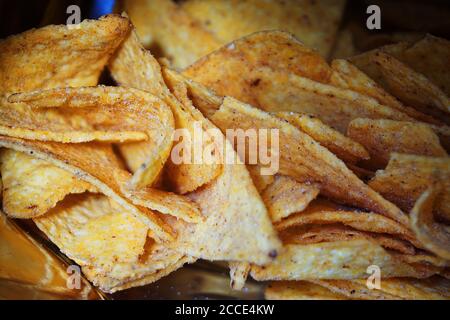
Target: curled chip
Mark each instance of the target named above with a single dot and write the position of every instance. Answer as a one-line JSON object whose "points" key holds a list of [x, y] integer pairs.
{"points": [[343, 147], [164, 26], [229, 20], [32, 186], [433, 235], [305, 160], [133, 66], [286, 196], [381, 137], [407, 176]]}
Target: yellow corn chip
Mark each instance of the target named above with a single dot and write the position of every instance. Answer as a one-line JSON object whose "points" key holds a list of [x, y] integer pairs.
{"points": [[407, 176], [286, 196], [33, 186], [238, 274], [260, 181], [381, 137], [299, 290]]}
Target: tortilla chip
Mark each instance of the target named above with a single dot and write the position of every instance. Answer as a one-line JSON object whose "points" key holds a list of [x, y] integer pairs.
{"points": [[260, 181], [433, 235], [382, 137], [299, 290], [331, 260], [97, 165], [435, 288], [344, 46], [347, 76], [33, 186], [164, 27], [59, 56], [238, 274], [305, 160], [407, 176], [133, 66], [411, 87], [344, 148], [229, 20], [321, 211], [286, 196], [337, 232], [222, 70]]}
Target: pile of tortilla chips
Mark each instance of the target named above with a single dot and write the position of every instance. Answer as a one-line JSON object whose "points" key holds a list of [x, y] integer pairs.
{"points": [[358, 207]]}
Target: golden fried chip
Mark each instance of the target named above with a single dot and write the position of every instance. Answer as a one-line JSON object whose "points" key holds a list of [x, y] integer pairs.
{"points": [[286, 196], [238, 274], [223, 69], [33, 186], [407, 176], [59, 56], [260, 181], [305, 160], [433, 235], [343, 147], [331, 260], [299, 290], [96, 164], [229, 20], [381, 137], [133, 66], [164, 27]]}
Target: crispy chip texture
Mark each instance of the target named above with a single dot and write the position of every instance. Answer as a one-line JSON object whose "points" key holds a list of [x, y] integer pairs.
{"points": [[229, 20], [56, 56], [286, 196], [305, 160], [381, 137], [33, 186], [164, 26], [407, 176], [238, 274], [331, 260], [299, 290], [343, 147], [433, 235]]}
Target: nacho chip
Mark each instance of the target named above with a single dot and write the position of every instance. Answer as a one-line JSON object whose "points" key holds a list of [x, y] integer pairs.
{"points": [[382, 137], [407, 176], [59, 56], [260, 181], [229, 20], [286, 196], [331, 260], [222, 70], [344, 148], [238, 274], [299, 290], [133, 66], [164, 27], [33, 186], [96, 164], [305, 160], [433, 235]]}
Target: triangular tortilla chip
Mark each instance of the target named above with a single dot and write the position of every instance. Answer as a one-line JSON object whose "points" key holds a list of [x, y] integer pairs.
{"points": [[381, 137], [32, 186], [407, 176], [164, 27], [306, 160], [343, 147]]}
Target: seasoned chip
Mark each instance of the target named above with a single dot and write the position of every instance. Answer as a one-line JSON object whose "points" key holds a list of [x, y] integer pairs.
{"points": [[305, 160], [33, 186], [344, 148], [59, 56], [314, 23], [238, 274], [96, 164], [331, 260], [164, 26], [133, 66], [299, 290], [433, 235], [286, 196], [381, 137], [260, 181], [407, 176]]}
